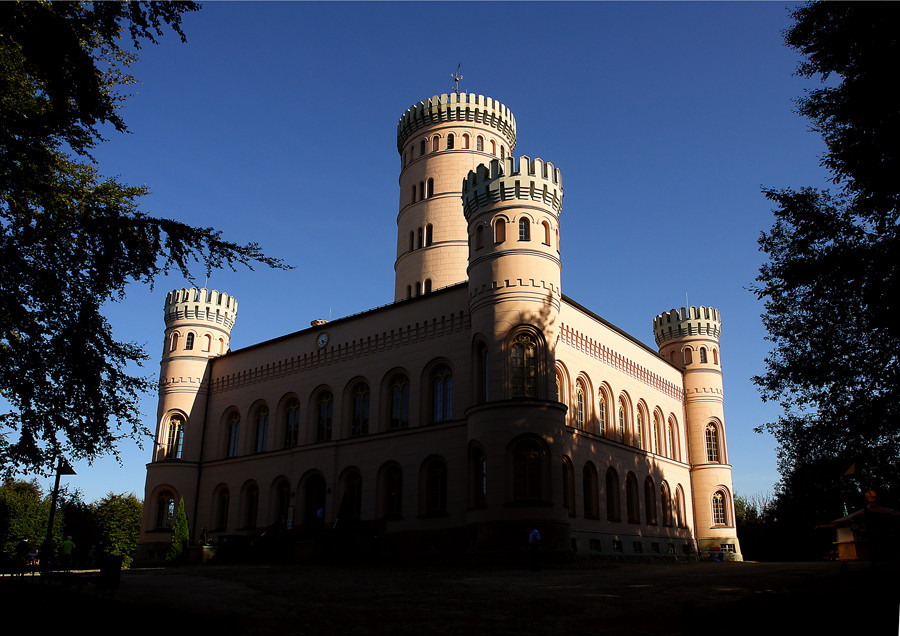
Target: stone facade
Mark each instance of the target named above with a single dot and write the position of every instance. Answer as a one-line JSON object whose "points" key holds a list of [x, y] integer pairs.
{"points": [[480, 404]]}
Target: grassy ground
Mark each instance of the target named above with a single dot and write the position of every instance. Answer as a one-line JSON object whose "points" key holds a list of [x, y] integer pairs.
{"points": [[596, 598]]}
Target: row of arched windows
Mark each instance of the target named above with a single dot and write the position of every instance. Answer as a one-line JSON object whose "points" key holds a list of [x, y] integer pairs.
{"points": [[320, 417], [669, 512], [453, 141], [425, 190], [423, 237], [618, 419], [687, 355], [524, 233], [187, 342]]}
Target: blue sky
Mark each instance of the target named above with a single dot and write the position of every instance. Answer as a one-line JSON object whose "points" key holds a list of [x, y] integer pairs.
{"points": [[276, 123]]}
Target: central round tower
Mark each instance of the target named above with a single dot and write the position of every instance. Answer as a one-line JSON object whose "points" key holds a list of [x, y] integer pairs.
{"points": [[440, 140]]}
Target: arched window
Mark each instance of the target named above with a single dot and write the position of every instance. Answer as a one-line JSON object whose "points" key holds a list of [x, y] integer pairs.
{"points": [[670, 440], [479, 143], [234, 429], [523, 366], [165, 509], [427, 287], [409, 291], [493, 147], [399, 389], [703, 355], [392, 492], [442, 394], [715, 356], [359, 425], [450, 141], [568, 477], [421, 240], [632, 499], [478, 473], [579, 407], [665, 499], [590, 492], [654, 434], [174, 437], [324, 416], [434, 144], [429, 234], [613, 509], [207, 343], [712, 443], [623, 415], [261, 421], [479, 237], [527, 459], [222, 500], [688, 355], [482, 373], [546, 232], [718, 509], [174, 344], [291, 423], [502, 152], [430, 191], [500, 231], [413, 199], [639, 429], [422, 147], [351, 500], [434, 497], [650, 501], [282, 503], [601, 412], [524, 230], [189, 341], [251, 505], [680, 518], [466, 141]]}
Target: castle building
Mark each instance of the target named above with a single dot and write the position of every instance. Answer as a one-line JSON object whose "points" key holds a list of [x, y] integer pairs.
{"points": [[478, 405]]}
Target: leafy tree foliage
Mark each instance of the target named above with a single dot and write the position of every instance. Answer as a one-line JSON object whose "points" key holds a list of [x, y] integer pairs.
{"points": [[832, 283], [181, 536], [71, 239], [24, 512], [118, 521]]}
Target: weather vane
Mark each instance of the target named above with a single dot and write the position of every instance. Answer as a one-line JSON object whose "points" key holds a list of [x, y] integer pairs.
{"points": [[456, 77]]}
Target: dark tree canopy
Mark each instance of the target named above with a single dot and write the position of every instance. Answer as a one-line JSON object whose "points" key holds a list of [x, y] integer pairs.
{"points": [[71, 239], [832, 283]]}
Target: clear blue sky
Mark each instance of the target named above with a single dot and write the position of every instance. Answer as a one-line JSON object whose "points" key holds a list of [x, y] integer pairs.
{"points": [[276, 123]]}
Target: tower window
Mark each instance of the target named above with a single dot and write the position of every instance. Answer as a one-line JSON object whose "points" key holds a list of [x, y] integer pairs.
{"points": [[291, 423], [712, 443], [493, 147], [427, 289], [429, 234], [434, 144], [262, 428], [399, 402], [500, 231], [546, 233], [703, 355], [479, 237], [324, 415], [234, 428], [466, 141], [174, 437], [479, 143], [523, 366], [718, 509], [524, 230], [189, 342], [430, 192], [450, 141], [442, 394], [360, 423], [422, 148]]}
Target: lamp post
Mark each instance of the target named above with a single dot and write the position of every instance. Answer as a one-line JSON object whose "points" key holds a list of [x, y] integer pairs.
{"points": [[62, 468]]}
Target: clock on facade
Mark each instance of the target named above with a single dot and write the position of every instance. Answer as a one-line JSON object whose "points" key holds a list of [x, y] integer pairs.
{"points": [[322, 340]]}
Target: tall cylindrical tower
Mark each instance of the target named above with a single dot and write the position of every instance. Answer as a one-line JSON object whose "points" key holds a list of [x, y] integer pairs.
{"points": [[440, 140], [689, 339], [198, 328]]}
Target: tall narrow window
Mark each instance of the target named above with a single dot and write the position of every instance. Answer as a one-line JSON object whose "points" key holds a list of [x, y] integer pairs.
{"points": [[412, 241], [703, 355], [427, 289], [291, 423], [207, 343], [434, 144], [613, 509], [479, 143], [639, 430], [670, 440], [251, 505], [654, 434], [360, 422], [429, 234], [466, 141], [189, 342], [478, 470], [175, 437], [500, 231], [234, 427], [324, 415], [527, 465], [680, 519], [421, 234], [523, 366], [620, 429], [422, 148], [524, 230], [632, 499], [430, 191], [568, 477], [482, 373], [650, 501], [450, 141], [351, 501], [502, 152], [546, 233], [413, 194], [712, 443], [493, 147], [601, 412], [165, 510], [262, 428], [399, 402], [479, 237], [590, 493], [393, 492], [665, 500], [442, 394], [222, 500], [579, 408], [718, 508]]}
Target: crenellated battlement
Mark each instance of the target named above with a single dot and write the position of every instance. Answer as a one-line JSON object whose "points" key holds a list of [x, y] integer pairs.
{"points": [[461, 107], [503, 180], [201, 304], [691, 321]]}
